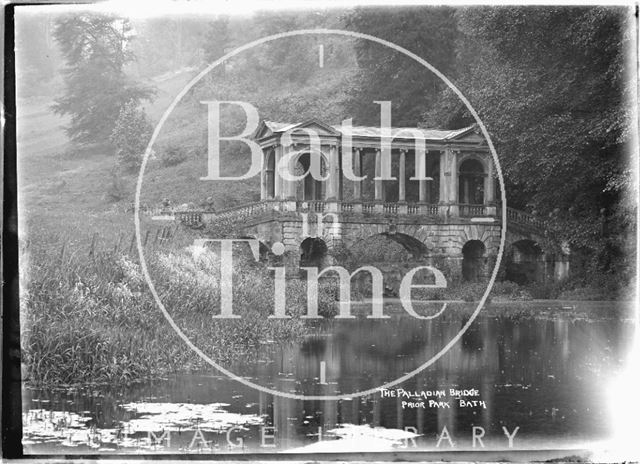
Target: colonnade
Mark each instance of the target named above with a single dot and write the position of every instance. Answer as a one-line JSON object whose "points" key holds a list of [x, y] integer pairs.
{"points": [[275, 186]]}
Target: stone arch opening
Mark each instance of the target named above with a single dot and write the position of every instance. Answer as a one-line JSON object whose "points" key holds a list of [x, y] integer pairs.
{"points": [[270, 178], [378, 247], [471, 182], [473, 261], [524, 262], [309, 188], [313, 252], [394, 254], [415, 247], [433, 186]]}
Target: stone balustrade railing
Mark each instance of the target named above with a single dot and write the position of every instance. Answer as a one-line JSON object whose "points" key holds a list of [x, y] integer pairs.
{"points": [[520, 217], [471, 210], [246, 211], [250, 210]]}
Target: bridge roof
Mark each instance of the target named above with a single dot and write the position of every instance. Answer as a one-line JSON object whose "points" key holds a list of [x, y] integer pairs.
{"points": [[373, 132]]}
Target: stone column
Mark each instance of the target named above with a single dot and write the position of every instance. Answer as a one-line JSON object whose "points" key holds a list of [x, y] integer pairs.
{"points": [[402, 195], [427, 186], [451, 181], [379, 196], [444, 187], [277, 180], [453, 184], [489, 183], [357, 169], [289, 186], [422, 184], [334, 174], [263, 176]]}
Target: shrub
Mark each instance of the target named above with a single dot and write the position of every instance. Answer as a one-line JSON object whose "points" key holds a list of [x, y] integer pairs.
{"points": [[116, 191], [545, 291], [130, 136], [173, 155], [467, 291], [510, 290]]}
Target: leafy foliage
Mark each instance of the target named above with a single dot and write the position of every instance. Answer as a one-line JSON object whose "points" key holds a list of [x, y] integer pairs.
{"points": [[551, 86], [216, 39], [173, 155], [389, 75], [95, 50]]}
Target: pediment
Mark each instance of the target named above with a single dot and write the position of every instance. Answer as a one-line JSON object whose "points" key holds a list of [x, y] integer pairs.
{"points": [[471, 138], [471, 135], [319, 127]]}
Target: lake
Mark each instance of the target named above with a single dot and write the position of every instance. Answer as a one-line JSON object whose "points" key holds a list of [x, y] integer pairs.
{"points": [[533, 381]]}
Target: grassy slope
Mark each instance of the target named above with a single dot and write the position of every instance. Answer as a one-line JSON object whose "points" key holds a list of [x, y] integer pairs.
{"points": [[62, 189]]}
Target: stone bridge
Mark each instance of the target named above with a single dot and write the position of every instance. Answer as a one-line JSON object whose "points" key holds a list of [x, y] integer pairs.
{"points": [[320, 233]]}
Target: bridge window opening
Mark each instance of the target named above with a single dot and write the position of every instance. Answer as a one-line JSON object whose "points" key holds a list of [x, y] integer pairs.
{"points": [[313, 252], [369, 170], [412, 186], [473, 261], [309, 188], [433, 171], [471, 183], [525, 263], [270, 175], [390, 188]]}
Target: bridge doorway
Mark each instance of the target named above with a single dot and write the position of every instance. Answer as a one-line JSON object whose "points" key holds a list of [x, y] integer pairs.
{"points": [[471, 182], [433, 186], [270, 178], [473, 261], [525, 263], [313, 252], [309, 188]]}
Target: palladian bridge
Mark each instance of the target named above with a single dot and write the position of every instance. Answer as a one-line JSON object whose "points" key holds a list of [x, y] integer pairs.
{"points": [[439, 201]]}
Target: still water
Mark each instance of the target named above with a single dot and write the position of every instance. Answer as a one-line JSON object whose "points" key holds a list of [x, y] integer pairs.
{"points": [[534, 381]]}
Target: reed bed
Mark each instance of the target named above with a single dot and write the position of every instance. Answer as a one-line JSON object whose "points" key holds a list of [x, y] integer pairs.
{"points": [[92, 319]]}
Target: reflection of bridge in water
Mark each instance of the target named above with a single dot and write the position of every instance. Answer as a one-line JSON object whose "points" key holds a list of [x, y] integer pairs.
{"points": [[432, 191]]}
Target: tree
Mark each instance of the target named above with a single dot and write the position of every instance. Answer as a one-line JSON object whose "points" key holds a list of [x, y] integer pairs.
{"points": [[216, 39], [386, 74], [130, 136], [95, 50], [551, 85]]}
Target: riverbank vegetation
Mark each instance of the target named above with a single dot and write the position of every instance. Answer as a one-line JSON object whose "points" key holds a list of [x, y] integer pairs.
{"points": [[95, 321]]}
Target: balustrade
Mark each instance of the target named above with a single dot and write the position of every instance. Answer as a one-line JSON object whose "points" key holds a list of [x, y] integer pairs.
{"points": [[471, 210], [247, 211], [390, 208]]}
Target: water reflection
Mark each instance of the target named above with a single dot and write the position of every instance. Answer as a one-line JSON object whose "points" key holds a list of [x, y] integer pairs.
{"points": [[545, 377]]}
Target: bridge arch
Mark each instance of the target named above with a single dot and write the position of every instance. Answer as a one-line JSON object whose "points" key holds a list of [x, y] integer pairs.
{"points": [[313, 252], [525, 262], [474, 260], [414, 247]]}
